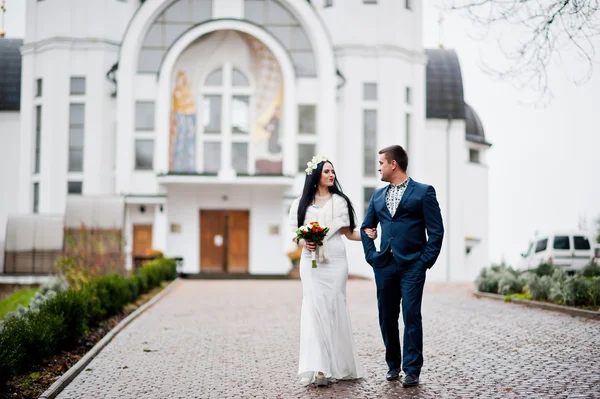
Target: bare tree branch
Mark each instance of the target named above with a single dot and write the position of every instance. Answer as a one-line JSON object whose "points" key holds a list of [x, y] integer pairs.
{"points": [[551, 29]]}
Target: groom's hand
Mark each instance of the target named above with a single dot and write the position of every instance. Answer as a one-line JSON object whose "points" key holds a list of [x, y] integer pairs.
{"points": [[371, 233], [311, 246]]}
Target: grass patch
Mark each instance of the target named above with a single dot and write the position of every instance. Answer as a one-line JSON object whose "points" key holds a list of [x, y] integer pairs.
{"points": [[526, 295], [20, 297]]}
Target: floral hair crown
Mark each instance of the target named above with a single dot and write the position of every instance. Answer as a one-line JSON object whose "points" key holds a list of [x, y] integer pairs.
{"points": [[314, 162]]}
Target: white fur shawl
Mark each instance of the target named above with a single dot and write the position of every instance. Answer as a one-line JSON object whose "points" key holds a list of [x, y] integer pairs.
{"points": [[333, 215]]}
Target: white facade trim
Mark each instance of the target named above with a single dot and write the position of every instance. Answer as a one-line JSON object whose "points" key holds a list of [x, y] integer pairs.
{"points": [[360, 50], [69, 43]]}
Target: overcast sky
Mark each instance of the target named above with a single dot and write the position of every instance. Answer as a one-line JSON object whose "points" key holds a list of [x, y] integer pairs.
{"points": [[544, 163]]}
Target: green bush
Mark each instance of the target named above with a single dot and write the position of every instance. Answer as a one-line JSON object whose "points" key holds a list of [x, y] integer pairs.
{"points": [[577, 291], [500, 279], [509, 283], [595, 291], [557, 290], [73, 307], [592, 269], [544, 269], [539, 287]]}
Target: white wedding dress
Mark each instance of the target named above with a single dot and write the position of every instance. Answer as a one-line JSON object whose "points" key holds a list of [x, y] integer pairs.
{"points": [[326, 342]]}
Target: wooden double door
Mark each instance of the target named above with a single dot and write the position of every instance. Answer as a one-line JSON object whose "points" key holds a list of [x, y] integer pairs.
{"points": [[224, 241]]}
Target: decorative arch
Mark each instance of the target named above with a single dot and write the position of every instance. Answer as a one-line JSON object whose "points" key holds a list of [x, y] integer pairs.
{"points": [[165, 85], [128, 61]]}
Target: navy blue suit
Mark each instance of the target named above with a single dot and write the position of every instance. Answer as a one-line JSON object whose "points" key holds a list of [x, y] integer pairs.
{"points": [[400, 266]]}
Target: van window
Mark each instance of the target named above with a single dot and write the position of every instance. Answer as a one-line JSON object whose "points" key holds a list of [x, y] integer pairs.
{"points": [[541, 245], [561, 242], [581, 242]]}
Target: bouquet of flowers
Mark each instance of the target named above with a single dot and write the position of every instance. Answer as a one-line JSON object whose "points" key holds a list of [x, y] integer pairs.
{"points": [[312, 232]]}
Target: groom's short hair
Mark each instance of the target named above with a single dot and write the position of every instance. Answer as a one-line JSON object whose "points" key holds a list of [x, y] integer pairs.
{"points": [[396, 153]]}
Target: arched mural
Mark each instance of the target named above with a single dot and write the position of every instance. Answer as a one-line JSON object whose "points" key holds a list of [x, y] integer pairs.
{"points": [[183, 127], [227, 90]]}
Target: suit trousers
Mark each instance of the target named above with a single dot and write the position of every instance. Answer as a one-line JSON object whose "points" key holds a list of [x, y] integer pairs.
{"points": [[401, 286]]}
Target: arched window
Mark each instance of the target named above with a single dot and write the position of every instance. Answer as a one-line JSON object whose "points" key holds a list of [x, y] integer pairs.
{"points": [[184, 14], [227, 97]]}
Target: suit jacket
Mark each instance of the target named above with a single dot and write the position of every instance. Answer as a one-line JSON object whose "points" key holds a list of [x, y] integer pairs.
{"points": [[404, 232]]}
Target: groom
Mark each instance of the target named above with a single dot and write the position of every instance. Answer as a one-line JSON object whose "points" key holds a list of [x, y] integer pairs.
{"points": [[406, 210]]}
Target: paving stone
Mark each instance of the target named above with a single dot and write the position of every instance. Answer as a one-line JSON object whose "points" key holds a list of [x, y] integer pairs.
{"points": [[239, 339]]}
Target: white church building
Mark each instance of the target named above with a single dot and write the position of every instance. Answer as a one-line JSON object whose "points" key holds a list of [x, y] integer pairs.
{"points": [[200, 116]]}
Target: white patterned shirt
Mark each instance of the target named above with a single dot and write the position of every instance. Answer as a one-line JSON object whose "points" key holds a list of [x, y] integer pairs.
{"points": [[394, 195]]}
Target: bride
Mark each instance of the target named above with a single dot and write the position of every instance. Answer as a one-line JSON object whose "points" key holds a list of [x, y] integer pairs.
{"points": [[327, 348]]}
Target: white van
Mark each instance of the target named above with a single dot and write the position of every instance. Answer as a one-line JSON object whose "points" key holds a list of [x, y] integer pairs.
{"points": [[571, 250]]}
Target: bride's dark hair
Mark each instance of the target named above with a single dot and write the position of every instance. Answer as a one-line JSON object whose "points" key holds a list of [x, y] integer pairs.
{"points": [[310, 189]]}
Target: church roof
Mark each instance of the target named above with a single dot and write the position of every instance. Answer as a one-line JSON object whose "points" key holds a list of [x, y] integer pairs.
{"points": [[445, 96], [474, 127], [444, 90], [10, 74]]}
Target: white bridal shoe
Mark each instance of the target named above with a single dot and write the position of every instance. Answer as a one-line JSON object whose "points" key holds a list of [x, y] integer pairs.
{"points": [[321, 380]]}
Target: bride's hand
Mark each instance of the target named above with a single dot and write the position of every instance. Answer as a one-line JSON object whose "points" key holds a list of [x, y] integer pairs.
{"points": [[311, 246], [371, 233]]}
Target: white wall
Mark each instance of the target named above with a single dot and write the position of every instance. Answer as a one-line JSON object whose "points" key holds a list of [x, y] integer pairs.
{"points": [[475, 214], [446, 175], [388, 23], [9, 164]]}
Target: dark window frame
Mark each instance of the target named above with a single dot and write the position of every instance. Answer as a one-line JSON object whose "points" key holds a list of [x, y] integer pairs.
{"points": [[541, 245]]}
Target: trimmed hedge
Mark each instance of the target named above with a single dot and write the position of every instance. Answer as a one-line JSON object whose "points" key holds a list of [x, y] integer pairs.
{"points": [[61, 320]]}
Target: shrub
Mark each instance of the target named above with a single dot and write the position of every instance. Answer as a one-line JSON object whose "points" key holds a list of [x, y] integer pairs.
{"points": [[509, 283], [577, 291], [557, 290], [74, 308], [539, 287], [487, 281], [113, 292], [592, 269], [545, 269], [595, 291]]}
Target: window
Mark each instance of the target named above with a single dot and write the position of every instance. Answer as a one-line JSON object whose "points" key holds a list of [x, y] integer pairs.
{"points": [[36, 197], [144, 115], [226, 89], [144, 154], [408, 4], [76, 137], [75, 187], [38, 87], [370, 142], [239, 158], [307, 119], [212, 158], [581, 243], [541, 245], [77, 85], [473, 156], [167, 27], [212, 114], [561, 242], [38, 138], [282, 24], [305, 154], [240, 114], [407, 123], [367, 194], [408, 95], [370, 91]]}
